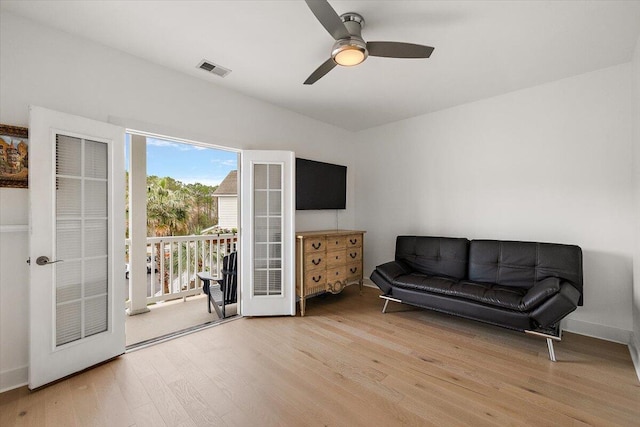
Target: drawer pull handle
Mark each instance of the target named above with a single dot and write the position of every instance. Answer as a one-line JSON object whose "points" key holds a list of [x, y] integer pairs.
{"points": [[353, 241], [316, 247], [318, 279], [337, 273], [353, 254], [353, 270], [316, 261]]}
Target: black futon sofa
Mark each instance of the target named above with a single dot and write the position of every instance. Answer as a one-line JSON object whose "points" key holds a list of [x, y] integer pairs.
{"points": [[526, 286]]}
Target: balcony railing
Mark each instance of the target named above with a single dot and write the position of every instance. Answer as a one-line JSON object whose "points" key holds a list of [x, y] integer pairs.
{"points": [[172, 263]]}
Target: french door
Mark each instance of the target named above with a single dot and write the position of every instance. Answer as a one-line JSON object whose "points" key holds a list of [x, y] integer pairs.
{"points": [[76, 289], [267, 233]]}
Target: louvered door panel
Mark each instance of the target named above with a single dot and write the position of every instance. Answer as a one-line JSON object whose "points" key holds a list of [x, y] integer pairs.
{"points": [[81, 238]]}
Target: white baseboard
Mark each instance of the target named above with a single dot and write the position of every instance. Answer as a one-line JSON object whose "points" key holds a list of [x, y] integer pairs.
{"points": [[14, 378], [368, 283], [634, 349], [594, 330]]}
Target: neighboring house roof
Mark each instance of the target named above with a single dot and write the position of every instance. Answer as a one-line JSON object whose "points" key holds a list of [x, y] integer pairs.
{"points": [[228, 186]]}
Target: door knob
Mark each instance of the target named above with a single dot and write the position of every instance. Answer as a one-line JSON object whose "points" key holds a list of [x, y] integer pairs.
{"points": [[44, 260]]}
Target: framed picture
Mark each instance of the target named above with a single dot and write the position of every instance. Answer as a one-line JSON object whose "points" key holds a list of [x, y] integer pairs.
{"points": [[14, 156]]}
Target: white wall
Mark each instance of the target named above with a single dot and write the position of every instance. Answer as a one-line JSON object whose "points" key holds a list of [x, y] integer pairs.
{"points": [[551, 163], [635, 347], [55, 70]]}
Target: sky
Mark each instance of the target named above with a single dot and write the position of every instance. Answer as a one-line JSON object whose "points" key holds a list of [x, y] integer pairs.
{"points": [[187, 163]]}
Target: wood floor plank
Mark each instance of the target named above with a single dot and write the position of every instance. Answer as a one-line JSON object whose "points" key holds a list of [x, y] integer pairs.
{"points": [[170, 409], [130, 385], [111, 400], [59, 407], [201, 413], [85, 401], [148, 416]]}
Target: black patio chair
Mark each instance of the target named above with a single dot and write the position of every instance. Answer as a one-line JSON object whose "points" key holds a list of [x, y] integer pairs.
{"points": [[228, 284]]}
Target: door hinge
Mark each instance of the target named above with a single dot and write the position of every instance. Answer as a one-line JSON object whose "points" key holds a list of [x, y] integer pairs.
{"points": [[29, 260]]}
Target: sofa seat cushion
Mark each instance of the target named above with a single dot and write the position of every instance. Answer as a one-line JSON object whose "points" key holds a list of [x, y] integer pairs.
{"points": [[492, 294], [422, 282], [511, 298]]}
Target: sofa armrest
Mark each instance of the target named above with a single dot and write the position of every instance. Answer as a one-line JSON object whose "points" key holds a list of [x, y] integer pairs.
{"points": [[539, 293], [391, 270], [558, 306]]}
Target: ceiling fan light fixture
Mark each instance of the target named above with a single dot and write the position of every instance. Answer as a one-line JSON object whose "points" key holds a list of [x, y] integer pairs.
{"points": [[349, 56], [349, 52]]}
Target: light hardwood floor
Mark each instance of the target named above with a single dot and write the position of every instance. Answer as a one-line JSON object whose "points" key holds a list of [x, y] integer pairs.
{"points": [[346, 364]]}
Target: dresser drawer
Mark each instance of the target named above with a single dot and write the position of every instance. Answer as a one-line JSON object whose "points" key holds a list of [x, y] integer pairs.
{"points": [[313, 279], [315, 244], [315, 261], [353, 254], [354, 271], [353, 241], [336, 242], [336, 258], [336, 274]]}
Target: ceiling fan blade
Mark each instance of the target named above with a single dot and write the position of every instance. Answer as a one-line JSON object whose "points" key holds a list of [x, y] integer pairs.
{"points": [[398, 50], [328, 18], [326, 66]]}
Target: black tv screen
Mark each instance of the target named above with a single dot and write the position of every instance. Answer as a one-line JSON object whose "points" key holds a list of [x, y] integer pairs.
{"points": [[320, 185]]}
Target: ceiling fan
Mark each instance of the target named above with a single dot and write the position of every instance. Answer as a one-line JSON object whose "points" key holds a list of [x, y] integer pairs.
{"points": [[350, 49]]}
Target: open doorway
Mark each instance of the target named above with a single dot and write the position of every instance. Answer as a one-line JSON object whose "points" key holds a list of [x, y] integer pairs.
{"points": [[182, 231]]}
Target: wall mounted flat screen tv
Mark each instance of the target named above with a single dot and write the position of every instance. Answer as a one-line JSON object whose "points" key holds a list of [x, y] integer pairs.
{"points": [[320, 185]]}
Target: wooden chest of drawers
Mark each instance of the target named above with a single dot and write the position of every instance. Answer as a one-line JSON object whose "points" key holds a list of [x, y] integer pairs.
{"points": [[327, 261]]}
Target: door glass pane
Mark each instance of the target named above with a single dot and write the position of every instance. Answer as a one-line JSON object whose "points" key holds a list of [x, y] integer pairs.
{"points": [[261, 176], [95, 238], [267, 226], [68, 281], [68, 156], [68, 322], [95, 315], [94, 164], [95, 198], [82, 290], [68, 197], [68, 235]]}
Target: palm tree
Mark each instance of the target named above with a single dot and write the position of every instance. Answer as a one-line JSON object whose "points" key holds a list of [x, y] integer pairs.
{"points": [[167, 209], [166, 214]]}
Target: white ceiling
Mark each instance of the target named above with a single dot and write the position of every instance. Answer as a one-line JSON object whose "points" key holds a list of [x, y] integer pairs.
{"points": [[482, 48]]}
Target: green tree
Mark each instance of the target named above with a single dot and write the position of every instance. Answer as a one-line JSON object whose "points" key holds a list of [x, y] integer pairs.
{"points": [[167, 207]]}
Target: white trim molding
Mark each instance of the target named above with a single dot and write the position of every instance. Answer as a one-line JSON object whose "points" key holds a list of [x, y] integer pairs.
{"points": [[634, 350], [594, 330], [14, 378], [13, 228]]}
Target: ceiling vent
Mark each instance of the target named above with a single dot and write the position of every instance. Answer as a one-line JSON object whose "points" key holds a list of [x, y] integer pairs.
{"points": [[213, 68]]}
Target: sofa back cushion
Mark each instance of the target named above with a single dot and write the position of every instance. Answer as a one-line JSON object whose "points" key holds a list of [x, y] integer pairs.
{"points": [[434, 256], [521, 264]]}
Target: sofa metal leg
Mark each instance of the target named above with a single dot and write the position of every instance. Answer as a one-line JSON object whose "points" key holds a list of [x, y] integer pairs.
{"points": [[552, 353], [386, 299], [551, 334]]}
